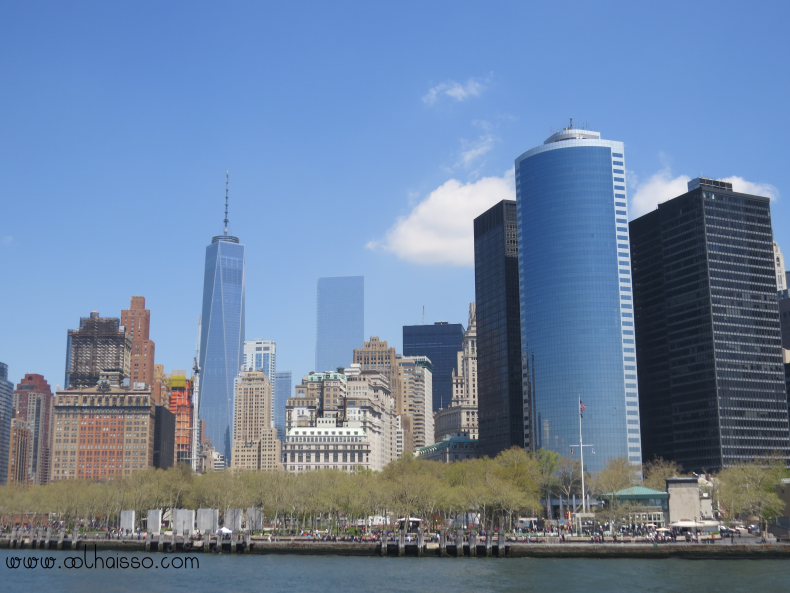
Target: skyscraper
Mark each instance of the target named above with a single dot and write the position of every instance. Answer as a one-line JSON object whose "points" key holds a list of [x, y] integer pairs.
{"points": [[340, 323], [255, 444], [222, 334], [281, 388], [415, 382], [577, 329], [712, 385], [33, 401], [6, 414], [503, 412], [441, 343], [137, 322], [781, 275], [100, 344], [260, 355]]}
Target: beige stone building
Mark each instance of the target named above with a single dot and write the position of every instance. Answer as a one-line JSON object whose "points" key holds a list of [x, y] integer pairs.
{"points": [[376, 355], [255, 443], [341, 420], [415, 382], [460, 417]]}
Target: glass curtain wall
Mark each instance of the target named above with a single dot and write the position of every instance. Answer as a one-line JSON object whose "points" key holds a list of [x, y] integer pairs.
{"points": [[222, 338], [577, 329]]}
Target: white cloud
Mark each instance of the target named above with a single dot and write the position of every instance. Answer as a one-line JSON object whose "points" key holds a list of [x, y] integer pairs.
{"points": [[739, 184], [454, 90], [7, 240], [470, 151], [438, 230], [662, 186]]}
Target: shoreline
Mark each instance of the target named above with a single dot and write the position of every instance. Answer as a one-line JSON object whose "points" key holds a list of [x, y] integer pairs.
{"points": [[718, 551]]}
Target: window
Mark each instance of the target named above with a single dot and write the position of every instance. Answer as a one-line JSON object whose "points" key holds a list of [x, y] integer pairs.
{"points": [[617, 154]]}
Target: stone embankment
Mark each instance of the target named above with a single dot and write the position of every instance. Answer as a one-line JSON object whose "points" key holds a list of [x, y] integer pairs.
{"points": [[297, 546]]}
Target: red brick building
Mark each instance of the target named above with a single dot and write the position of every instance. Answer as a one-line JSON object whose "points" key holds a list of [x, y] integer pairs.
{"points": [[33, 402]]}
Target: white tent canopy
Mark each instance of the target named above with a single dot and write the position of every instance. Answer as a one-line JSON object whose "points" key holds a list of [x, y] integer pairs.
{"points": [[695, 524], [224, 530]]}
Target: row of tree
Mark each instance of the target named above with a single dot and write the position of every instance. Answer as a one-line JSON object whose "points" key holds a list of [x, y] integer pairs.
{"points": [[498, 490]]}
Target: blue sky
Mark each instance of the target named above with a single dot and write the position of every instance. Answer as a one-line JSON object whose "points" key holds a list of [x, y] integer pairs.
{"points": [[361, 138]]}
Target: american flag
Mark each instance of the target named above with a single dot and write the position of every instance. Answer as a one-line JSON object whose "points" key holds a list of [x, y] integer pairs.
{"points": [[582, 407]]}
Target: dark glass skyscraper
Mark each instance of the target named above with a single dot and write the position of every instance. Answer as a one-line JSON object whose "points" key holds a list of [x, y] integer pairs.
{"points": [[711, 381], [501, 409], [441, 343], [6, 413], [340, 321], [577, 328], [221, 336]]}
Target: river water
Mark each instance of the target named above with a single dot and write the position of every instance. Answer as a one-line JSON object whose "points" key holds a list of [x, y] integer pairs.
{"points": [[309, 574]]}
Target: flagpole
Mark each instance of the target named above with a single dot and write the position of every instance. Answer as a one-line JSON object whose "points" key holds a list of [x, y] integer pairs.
{"points": [[581, 451]]}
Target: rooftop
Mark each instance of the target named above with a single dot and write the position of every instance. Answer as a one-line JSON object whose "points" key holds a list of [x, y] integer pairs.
{"points": [[638, 493]]}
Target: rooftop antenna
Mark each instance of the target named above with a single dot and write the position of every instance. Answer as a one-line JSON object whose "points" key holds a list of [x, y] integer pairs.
{"points": [[227, 177], [423, 314], [571, 124]]}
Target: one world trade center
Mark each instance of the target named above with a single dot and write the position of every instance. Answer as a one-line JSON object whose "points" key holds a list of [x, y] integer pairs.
{"points": [[222, 335]]}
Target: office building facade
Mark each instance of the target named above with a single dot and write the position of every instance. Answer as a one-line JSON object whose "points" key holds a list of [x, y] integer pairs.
{"points": [[281, 391], [503, 408], [340, 321], [260, 355], [460, 417], [415, 382], [19, 446], [164, 438], [136, 320], [104, 431], [255, 444], [6, 415], [222, 336], [100, 344], [784, 318], [577, 330], [33, 402], [779, 262], [712, 384], [441, 343]]}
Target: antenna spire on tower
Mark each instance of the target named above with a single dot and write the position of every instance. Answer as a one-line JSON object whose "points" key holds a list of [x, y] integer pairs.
{"points": [[227, 177]]}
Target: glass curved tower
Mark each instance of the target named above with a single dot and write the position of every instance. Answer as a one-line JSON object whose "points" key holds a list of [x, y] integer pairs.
{"points": [[221, 336], [577, 324]]}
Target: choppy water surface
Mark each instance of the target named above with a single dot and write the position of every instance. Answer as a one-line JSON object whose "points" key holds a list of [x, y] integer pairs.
{"points": [[308, 574]]}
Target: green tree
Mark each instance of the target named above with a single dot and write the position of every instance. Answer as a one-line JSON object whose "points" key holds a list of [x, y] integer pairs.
{"points": [[747, 489], [657, 471]]}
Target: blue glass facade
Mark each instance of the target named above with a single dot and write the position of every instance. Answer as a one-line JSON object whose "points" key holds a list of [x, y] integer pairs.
{"points": [[222, 338], [577, 328], [441, 343], [281, 391], [340, 323], [6, 412]]}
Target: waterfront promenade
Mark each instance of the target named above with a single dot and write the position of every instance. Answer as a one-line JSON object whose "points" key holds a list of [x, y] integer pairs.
{"points": [[745, 548]]}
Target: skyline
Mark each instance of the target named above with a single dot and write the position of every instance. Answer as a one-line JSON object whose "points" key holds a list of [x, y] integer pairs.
{"points": [[112, 134]]}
